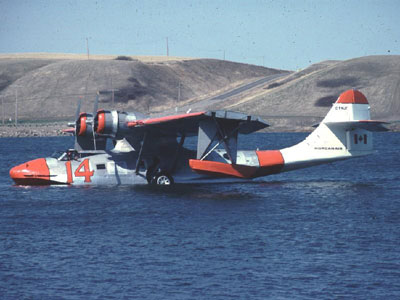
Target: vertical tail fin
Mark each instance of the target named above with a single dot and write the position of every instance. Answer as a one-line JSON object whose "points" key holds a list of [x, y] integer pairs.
{"points": [[345, 132]]}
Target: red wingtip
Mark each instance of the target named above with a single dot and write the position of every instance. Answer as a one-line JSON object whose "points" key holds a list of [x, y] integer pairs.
{"points": [[352, 97]]}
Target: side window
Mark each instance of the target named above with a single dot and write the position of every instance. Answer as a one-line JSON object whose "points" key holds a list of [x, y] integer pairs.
{"points": [[101, 167]]}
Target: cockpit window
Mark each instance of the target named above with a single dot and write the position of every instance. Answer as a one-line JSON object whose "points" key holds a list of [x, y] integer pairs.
{"points": [[57, 154], [73, 154], [68, 155], [60, 156]]}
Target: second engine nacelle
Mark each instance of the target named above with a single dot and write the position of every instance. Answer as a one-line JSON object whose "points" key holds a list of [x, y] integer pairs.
{"points": [[114, 123]]}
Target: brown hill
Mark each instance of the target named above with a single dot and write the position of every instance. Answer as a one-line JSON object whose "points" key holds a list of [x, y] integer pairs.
{"points": [[305, 97], [48, 89]]}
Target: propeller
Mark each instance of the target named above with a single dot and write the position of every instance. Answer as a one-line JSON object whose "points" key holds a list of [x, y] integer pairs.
{"points": [[83, 128], [95, 108], [75, 123], [78, 109]]}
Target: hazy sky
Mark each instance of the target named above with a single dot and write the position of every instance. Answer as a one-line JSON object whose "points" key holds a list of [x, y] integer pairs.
{"points": [[279, 34]]}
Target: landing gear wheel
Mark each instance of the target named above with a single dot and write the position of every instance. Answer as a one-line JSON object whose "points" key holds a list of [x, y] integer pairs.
{"points": [[162, 178]]}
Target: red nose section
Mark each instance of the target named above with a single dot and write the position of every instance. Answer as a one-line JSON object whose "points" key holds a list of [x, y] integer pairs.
{"points": [[34, 172]]}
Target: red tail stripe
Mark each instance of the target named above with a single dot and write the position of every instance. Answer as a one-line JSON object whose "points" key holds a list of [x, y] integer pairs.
{"points": [[269, 158]]}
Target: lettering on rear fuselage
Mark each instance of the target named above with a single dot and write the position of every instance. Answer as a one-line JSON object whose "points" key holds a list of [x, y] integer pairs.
{"points": [[328, 148], [341, 108]]}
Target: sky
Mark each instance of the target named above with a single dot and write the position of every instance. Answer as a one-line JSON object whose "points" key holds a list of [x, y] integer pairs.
{"points": [[279, 34]]}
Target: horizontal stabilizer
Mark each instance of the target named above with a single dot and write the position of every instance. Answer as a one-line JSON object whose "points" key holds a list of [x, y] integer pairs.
{"points": [[370, 125]]}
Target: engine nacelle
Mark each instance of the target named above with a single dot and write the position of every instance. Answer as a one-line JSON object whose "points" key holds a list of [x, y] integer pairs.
{"points": [[83, 125], [114, 123]]}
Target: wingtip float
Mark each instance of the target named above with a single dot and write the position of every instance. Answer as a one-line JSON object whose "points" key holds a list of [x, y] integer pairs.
{"points": [[151, 150]]}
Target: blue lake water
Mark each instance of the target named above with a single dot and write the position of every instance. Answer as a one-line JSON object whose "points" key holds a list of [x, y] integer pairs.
{"points": [[326, 232]]}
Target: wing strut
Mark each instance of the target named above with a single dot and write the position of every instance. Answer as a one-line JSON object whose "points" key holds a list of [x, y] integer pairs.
{"points": [[178, 150], [139, 160], [230, 141], [214, 129]]}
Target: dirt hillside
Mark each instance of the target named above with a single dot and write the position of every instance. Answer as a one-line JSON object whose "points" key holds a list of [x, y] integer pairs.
{"points": [[48, 89], [48, 86], [306, 96]]}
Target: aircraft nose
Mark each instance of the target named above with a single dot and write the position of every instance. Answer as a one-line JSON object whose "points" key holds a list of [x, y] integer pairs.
{"points": [[34, 172]]}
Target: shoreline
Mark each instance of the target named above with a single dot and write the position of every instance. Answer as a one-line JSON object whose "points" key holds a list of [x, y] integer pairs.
{"points": [[33, 130], [56, 129]]}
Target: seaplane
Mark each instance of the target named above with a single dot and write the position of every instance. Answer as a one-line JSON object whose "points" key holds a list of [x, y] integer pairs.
{"points": [[152, 151]]}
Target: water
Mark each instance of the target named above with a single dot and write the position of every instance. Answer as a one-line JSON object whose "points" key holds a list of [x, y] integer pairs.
{"points": [[320, 233]]}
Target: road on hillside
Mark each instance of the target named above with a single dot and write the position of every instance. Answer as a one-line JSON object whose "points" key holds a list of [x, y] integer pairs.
{"points": [[204, 104], [247, 87]]}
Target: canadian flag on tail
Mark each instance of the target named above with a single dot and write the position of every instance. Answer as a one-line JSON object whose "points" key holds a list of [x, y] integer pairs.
{"points": [[360, 138]]}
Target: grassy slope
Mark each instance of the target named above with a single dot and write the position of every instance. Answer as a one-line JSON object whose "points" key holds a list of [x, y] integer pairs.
{"points": [[378, 77], [49, 88]]}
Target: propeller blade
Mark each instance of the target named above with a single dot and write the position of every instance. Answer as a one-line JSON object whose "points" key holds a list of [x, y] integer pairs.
{"points": [[95, 108], [96, 105], [77, 114], [78, 109]]}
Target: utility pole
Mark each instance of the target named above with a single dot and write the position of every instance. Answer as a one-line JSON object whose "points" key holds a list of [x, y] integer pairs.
{"points": [[87, 47], [16, 107], [224, 54], [167, 48]]}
